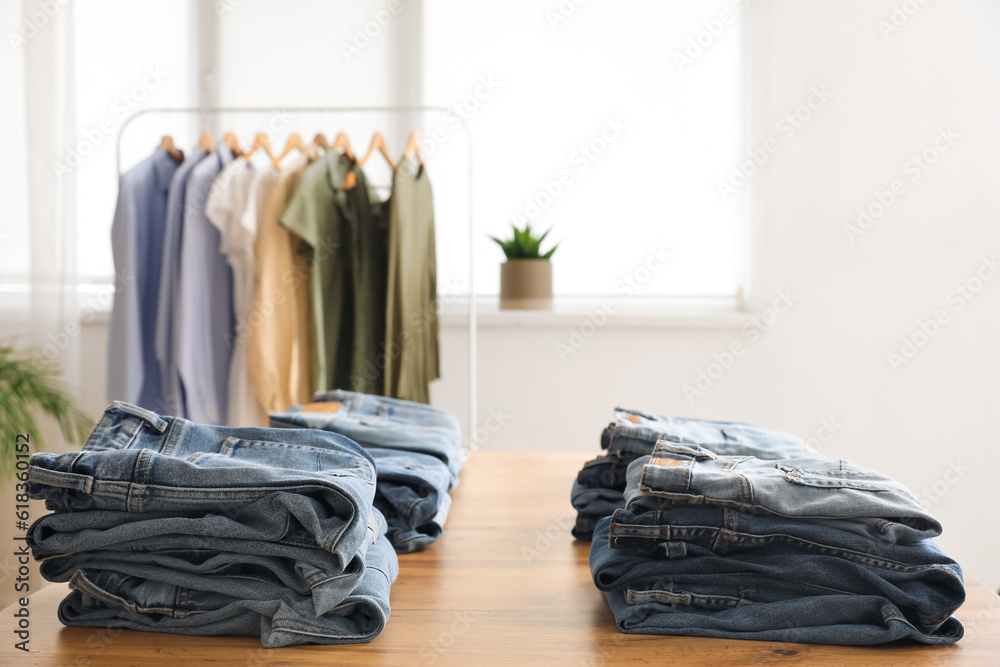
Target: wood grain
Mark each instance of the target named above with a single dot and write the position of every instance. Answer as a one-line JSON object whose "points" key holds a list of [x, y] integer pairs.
{"points": [[506, 585]]}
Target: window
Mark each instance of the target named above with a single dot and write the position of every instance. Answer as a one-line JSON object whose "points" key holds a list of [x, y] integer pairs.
{"points": [[127, 56], [606, 125], [610, 123]]}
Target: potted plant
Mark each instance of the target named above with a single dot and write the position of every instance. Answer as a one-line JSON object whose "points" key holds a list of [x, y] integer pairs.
{"points": [[526, 276], [28, 386]]}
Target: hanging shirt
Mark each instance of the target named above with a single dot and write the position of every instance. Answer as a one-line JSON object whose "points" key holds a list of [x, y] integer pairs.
{"points": [[204, 301], [316, 215], [367, 219], [233, 208], [411, 312], [279, 347], [173, 397], [136, 244]]}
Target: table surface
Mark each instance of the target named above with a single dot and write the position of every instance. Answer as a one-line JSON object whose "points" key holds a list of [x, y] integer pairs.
{"points": [[507, 584]]}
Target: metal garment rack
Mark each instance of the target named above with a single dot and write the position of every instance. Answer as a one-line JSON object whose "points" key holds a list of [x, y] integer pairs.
{"points": [[473, 398]]}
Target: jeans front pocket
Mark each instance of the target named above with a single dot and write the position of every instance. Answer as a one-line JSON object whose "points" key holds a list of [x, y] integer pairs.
{"points": [[844, 475], [327, 461]]}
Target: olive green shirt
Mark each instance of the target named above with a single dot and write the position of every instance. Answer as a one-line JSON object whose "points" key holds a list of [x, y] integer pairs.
{"points": [[315, 215], [411, 311]]}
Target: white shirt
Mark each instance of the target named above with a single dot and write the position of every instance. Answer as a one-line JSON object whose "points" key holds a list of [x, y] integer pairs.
{"points": [[233, 207]]}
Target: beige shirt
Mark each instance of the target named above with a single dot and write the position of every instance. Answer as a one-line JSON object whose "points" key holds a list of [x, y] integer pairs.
{"points": [[279, 343]]}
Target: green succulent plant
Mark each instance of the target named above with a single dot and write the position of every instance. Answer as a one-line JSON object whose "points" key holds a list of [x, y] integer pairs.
{"points": [[28, 386], [525, 245]]}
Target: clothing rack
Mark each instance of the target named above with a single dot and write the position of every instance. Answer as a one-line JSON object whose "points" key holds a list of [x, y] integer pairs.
{"points": [[473, 398]]}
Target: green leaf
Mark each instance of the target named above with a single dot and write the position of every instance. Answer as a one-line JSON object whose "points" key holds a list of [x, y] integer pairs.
{"points": [[549, 253], [29, 385]]}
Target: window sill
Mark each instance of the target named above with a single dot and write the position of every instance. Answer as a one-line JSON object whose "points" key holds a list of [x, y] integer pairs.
{"points": [[631, 313], [659, 313]]}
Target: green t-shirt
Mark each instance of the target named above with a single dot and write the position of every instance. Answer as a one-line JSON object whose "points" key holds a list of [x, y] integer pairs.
{"points": [[315, 214], [411, 312]]}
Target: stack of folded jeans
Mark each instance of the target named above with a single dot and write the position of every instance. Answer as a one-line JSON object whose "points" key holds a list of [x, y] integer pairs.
{"points": [[168, 526], [599, 488], [417, 450], [800, 550]]}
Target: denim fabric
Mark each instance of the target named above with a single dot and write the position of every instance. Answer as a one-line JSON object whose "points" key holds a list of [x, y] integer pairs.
{"points": [[919, 576], [833, 493], [282, 617], [412, 493], [63, 541], [606, 471], [599, 501], [780, 594], [583, 528], [637, 432], [322, 495], [390, 423], [170, 526]]}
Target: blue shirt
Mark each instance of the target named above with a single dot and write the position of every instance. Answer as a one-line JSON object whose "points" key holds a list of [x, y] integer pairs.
{"points": [[173, 395], [203, 306], [136, 245]]}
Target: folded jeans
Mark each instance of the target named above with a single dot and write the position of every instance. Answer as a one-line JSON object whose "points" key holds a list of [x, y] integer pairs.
{"points": [[831, 493]]}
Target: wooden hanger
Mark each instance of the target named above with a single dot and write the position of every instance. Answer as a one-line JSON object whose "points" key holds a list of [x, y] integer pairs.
{"points": [[342, 142], [320, 140], [233, 143], [261, 141], [167, 144], [294, 141], [413, 147], [378, 141], [206, 142]]}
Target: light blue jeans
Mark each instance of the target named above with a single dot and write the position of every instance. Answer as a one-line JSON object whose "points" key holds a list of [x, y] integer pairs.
{"points": [[833, 493], [637, 432], [170, 526], [418, 455]]}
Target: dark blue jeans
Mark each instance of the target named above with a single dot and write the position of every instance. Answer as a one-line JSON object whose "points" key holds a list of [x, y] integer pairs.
{"points": [[715, 572]]}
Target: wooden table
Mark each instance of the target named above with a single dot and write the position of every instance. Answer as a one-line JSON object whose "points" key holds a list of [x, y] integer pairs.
{"points": [[506, 585]]}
